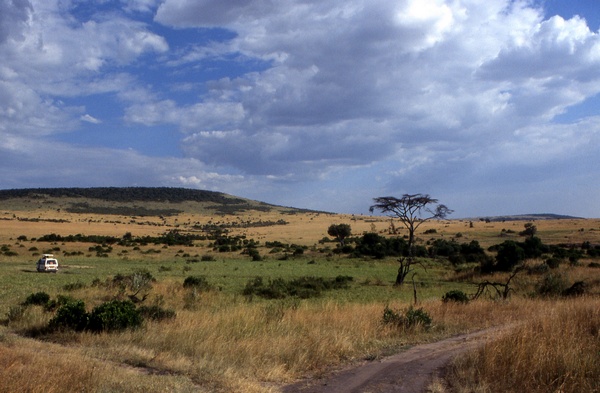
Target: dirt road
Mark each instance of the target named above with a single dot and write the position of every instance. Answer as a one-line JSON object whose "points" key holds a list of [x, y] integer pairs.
{"points": [[410, 371]]}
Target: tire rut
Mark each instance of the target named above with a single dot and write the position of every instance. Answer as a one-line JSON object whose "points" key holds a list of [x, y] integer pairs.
{"points": [[410, 371]]}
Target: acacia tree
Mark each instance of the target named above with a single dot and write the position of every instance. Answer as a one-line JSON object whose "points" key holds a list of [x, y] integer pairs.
{"points": [[340, 232], [412, 210]]}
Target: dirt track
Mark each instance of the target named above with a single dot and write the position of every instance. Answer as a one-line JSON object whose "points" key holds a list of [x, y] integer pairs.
{"points": [[410, 371]]}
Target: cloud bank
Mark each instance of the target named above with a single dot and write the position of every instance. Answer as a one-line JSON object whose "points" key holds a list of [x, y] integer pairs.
{"points": [[316, 104]]}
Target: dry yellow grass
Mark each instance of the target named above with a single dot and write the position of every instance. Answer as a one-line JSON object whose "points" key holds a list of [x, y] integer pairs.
{"points": [[220, 342], [227, 345], [554, 351]]}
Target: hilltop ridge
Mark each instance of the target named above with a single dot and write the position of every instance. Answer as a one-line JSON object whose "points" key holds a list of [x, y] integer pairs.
{"points": [[143, 201], [528, 217]]}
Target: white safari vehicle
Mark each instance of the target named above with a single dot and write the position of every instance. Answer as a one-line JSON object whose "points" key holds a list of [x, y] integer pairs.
{"points": [[47, 263]]}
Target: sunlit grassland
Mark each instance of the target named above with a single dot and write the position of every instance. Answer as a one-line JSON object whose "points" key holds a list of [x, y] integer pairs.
{"points": [[554, 351], [223, 341], [371, 279]]}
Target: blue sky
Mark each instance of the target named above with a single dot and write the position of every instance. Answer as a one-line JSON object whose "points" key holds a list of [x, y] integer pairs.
{"points": [[492, 107]]}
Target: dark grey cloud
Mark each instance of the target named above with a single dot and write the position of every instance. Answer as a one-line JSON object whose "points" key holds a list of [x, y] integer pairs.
{"points": [[14, 15]]}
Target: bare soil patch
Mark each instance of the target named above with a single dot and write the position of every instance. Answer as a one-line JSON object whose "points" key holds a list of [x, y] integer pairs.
{"points": [[410, 371]]}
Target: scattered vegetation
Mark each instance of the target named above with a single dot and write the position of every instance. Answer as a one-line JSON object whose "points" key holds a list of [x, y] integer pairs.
{"points": [[313, 305], [412, 318], [303, 287]]}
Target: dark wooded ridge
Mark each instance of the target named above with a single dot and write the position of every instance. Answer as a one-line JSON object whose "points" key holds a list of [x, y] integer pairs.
{"points": [[120, 194]]}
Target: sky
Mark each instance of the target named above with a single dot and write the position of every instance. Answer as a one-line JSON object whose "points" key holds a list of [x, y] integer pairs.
{"points": [[490, 106]]}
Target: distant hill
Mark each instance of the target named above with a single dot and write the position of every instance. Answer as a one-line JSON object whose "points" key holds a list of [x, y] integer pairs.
{"points": [[144, 201], [120, 194], [528, 217]]}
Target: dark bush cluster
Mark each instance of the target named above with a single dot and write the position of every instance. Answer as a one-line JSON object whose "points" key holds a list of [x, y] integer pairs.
{"points": [[458, 253], [379, 247], [114, 315], [200, 283], [37, 299], [70, 316], [169, 238], [277, 246], [410, 319], [226, 243], [303, 287], [455, 296]]}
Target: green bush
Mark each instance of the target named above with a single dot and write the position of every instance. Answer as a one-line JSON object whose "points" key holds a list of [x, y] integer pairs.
{"points": [[411, 319], [455, 296], [552, 284], [275, 289], [53, 304], [553, 262], [15, 313], [38, 299], [254, 254], [417, 317], [302, 287], [115, 315], [391, 317], [199, 283], [74, 286], [70, 316]]}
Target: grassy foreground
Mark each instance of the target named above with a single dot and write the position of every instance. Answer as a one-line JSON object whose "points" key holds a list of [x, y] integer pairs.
{"points": [[222, 341]]}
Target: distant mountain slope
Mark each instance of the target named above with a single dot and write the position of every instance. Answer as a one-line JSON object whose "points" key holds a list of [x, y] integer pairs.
{"points": [[134, 200], [528, 217], [120, 194]]}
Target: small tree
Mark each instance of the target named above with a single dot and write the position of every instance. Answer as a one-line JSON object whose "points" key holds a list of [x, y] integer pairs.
{"points": [[510, 254], [340, 232], [412, 210], [530, 230]]}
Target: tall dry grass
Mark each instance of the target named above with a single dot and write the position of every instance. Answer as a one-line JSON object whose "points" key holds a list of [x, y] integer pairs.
{"points": [[228, 344], [554, 351], [33, 366], [225, 343]]}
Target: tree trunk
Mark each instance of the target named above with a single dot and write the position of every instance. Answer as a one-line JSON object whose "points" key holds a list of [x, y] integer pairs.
{"points": [[403, 270]]}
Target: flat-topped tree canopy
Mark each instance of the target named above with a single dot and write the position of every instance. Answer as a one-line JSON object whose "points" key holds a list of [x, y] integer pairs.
{"points": [[412, 210]]}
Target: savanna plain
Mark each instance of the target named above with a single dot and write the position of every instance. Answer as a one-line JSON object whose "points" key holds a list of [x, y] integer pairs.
{"points": [[252, 300]]}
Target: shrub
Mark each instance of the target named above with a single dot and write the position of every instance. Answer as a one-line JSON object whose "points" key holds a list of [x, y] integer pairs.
{"points": [[391, 317], [552, 284], [579, 288], [38, 299], [71, 315], [74, 286], [15, 313], [411, 319], [253, 252], [553, 262], [115, 315], [275, 289], [509, 255], [455, 296], [417, 317], [302, 287], [540, 268], [207, 258], [197, 282]]}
